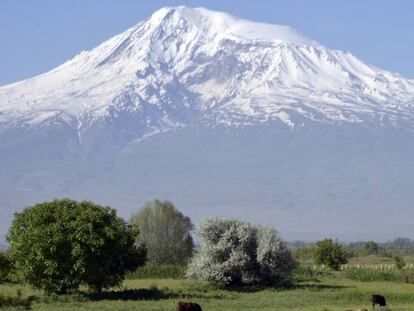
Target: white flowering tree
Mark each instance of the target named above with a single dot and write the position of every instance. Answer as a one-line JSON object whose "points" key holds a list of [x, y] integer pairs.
{"points": [[233, 252], [274, 259]]}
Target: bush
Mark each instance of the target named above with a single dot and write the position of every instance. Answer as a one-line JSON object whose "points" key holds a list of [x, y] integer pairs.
{"points": [[165, 232], [330, 253], [235, 252], [57, 246]]}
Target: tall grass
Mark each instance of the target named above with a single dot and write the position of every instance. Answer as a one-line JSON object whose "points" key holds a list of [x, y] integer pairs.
{"points": [[379, 267], [378, 273], [152, 271], [361, 272]]}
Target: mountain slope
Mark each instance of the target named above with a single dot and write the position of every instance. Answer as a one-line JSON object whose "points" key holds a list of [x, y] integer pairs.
{"points": [[221, 115]]}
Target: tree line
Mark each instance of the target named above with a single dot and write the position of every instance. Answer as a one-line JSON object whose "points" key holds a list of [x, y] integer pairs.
{"points": [[61, 245]]}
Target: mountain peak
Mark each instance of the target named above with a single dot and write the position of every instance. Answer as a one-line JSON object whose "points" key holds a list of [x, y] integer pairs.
{"points": [[221, 24]]}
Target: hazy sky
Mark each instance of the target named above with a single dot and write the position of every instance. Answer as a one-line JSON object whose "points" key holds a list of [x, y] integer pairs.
{"points": [[36, 36]]}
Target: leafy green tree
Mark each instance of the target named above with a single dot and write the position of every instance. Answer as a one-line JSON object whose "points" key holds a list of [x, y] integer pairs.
{"points": [[57, 246], [166, 233], [330, 253], [234, 252]]}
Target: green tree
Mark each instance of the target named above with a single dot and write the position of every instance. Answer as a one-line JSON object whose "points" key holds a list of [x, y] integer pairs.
{"points": [[165, 232], [330, 253], [57, 246], [234, 252]]}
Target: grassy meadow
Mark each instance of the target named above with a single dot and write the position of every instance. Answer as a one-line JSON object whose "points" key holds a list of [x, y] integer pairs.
{"points": [[320, 292]]}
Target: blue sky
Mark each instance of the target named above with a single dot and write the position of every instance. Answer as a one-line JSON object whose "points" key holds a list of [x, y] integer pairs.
{"points": [[36, 36]]}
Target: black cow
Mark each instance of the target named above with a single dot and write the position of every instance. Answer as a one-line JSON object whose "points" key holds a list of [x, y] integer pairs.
{"points": [[378, 300], [188, 306]]}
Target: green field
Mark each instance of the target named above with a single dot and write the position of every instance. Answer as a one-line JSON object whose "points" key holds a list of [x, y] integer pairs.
{"points": [[332, 293]]}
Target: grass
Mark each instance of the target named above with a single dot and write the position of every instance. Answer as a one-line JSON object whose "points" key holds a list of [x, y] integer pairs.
{"points": [[153, 288], [331, 293], [373, 275], [158, 272], [18, 301]]}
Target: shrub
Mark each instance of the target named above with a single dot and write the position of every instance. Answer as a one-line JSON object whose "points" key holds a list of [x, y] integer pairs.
{"points": [[330, 253], [234, 252], [58, 245]]}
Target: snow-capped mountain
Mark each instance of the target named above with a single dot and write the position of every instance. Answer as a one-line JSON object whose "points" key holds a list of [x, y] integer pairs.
{"points": [[271, 114], [185, 65]]}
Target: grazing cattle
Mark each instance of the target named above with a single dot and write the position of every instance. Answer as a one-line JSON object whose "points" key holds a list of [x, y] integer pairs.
{"points": [[188, 306], [378, 300]]}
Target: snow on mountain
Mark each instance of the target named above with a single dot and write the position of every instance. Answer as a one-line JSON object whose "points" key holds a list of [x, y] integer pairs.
{"points": [[185, 65]]}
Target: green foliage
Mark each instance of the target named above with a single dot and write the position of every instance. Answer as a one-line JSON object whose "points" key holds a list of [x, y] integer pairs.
{"points": [[57, 246], [6, 266], [234, 252], [330, 253], [166, 232], [152, 271]]}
